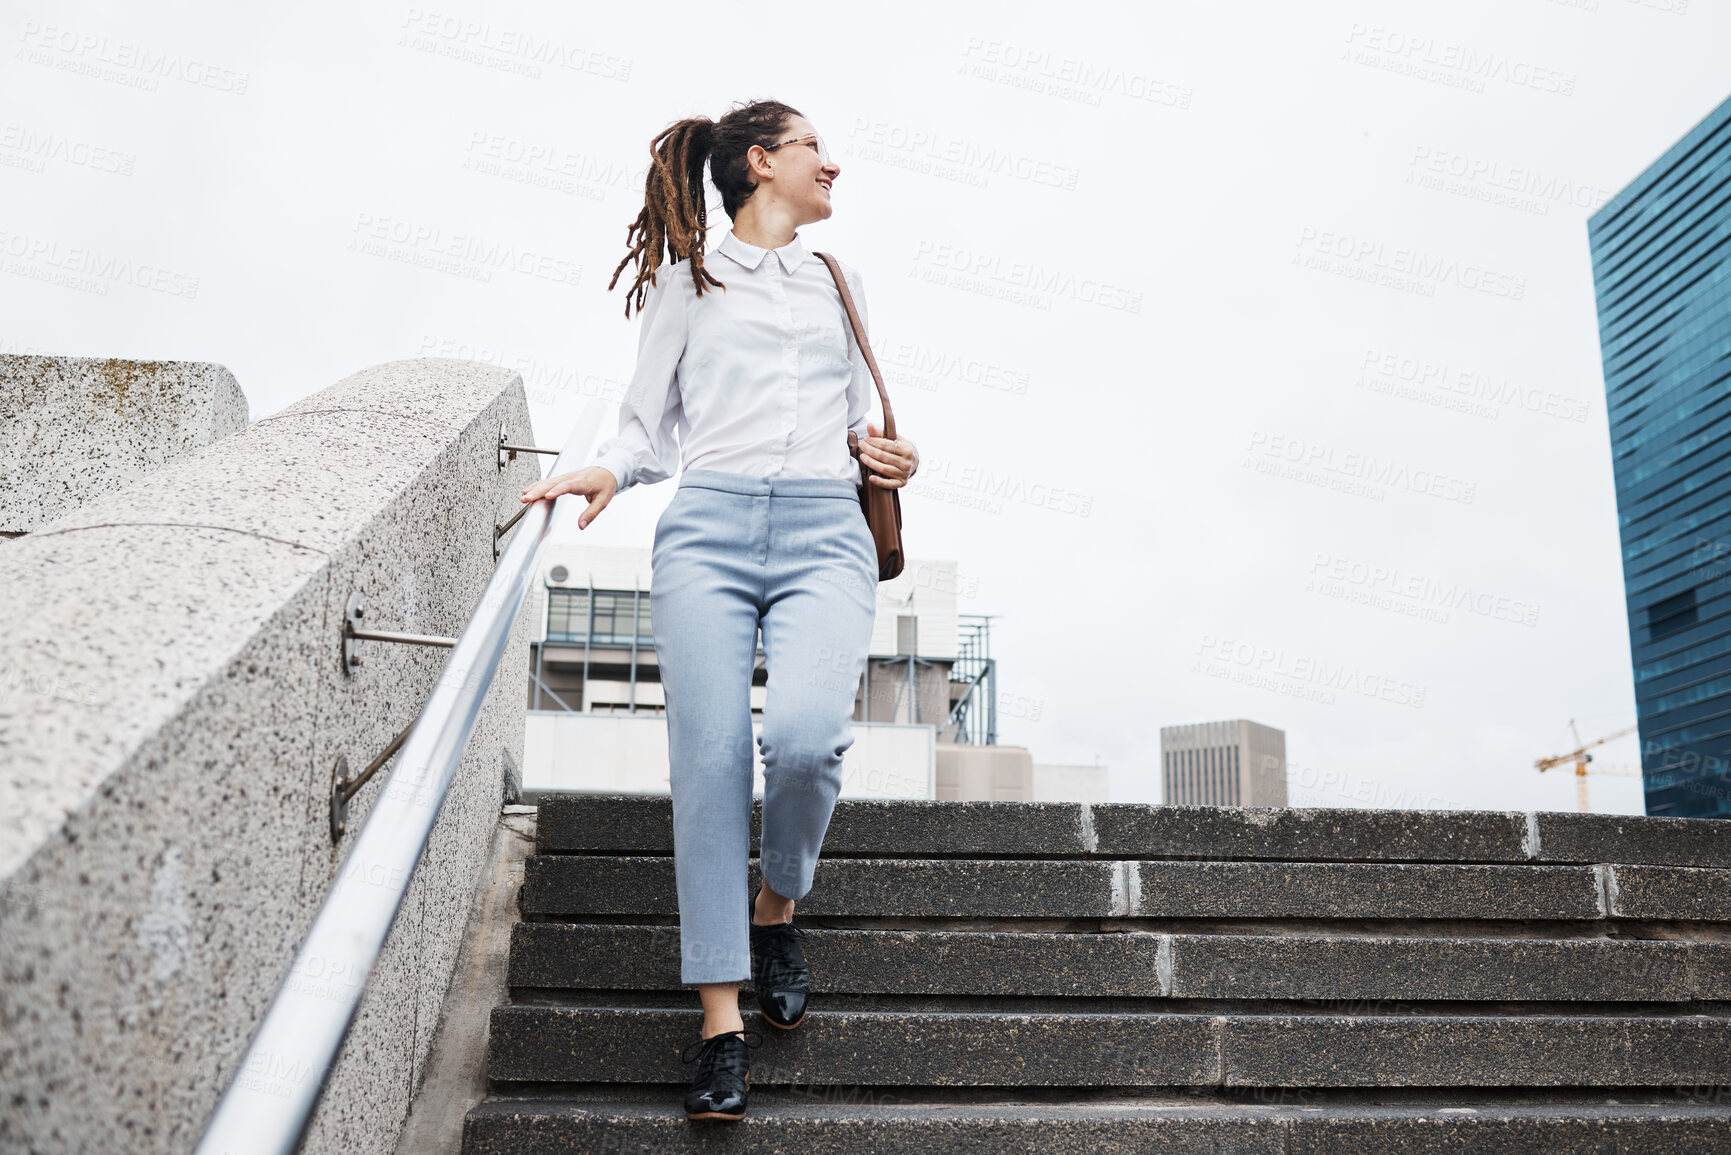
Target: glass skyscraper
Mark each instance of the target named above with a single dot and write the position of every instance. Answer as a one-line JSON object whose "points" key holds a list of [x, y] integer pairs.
{"points": [[1662, 276]]}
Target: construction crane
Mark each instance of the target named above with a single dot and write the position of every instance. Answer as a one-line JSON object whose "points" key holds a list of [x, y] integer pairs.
{"points": [[1580, 758]]}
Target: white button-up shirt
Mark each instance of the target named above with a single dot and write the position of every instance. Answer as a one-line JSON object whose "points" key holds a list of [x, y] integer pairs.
{"points": [[762, 378]]}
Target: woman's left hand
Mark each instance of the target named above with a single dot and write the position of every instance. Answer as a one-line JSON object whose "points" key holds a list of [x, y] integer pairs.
{"points": [[891, 462]]}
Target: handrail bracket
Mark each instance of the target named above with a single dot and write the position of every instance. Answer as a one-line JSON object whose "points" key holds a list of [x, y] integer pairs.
{"points": [[352, 633]]}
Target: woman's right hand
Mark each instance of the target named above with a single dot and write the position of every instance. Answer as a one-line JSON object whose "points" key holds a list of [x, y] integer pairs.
{"points": [[593, 481]]}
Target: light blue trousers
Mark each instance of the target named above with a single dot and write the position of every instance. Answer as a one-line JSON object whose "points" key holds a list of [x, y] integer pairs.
{"points": [[732, 554]]}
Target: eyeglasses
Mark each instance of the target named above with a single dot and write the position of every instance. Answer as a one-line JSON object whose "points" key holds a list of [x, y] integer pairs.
{"points": [[812, 141]]}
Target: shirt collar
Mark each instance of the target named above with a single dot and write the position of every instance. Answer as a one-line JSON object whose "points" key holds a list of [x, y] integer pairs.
{"points": [[791, 255]]}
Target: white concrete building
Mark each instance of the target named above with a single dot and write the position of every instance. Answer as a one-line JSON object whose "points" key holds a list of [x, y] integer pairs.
{"points": [[597, 717], [1068, 783]]}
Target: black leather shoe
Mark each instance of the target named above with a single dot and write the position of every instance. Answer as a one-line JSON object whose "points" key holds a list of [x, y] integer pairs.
{"points": [[779, 973], [723, 1081]]}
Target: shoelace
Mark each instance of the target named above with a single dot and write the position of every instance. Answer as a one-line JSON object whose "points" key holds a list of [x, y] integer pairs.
{"points": [[712, 1053], [777, 938], [780, 929]]}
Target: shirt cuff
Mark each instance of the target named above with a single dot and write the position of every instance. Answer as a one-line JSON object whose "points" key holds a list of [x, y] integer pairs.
{"points": [[618, 463]]}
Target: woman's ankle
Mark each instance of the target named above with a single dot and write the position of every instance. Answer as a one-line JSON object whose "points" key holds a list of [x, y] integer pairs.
{"points": [[769, 908], [723, 1027], [720, 1008]]}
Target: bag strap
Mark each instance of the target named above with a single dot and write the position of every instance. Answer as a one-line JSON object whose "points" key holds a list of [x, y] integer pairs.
{"points": [[864, 345]]}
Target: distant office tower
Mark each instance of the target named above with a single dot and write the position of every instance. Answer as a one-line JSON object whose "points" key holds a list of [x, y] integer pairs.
{"points": [[1223, 764], [1663, 280]]}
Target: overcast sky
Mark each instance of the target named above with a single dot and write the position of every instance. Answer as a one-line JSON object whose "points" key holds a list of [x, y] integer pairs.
{"points": [[1251, 349]]}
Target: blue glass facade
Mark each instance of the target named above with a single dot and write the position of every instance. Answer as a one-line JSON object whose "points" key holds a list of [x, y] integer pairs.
{"points": [[1662, 275]]}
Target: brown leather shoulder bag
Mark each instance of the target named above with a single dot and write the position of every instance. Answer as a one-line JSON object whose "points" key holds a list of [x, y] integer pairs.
{"points": [[882, 507]]}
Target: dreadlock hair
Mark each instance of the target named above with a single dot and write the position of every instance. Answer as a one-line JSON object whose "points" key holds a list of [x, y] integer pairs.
{"points": [[674, 213]]}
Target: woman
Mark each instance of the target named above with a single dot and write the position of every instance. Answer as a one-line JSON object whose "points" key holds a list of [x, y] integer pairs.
{"points": [[761, 378]]}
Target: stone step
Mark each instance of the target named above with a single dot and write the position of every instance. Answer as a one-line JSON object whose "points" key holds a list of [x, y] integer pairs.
{"points": [[561, 885], [553, 1044], [867, 1122], [1670, 892], [643, 825], [584, 956]]}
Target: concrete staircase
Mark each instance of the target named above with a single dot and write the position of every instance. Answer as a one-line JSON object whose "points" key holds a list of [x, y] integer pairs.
{"points": [[1118, 978]]}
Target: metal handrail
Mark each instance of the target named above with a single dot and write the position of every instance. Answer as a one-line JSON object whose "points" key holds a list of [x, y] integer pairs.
{"points": [[272, 1096]]}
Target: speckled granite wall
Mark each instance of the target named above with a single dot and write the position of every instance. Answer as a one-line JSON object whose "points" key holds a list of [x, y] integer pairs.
{"points": [[171, 704], [74, 428]]}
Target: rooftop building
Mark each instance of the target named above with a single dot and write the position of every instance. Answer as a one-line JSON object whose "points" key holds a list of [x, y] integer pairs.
{"points": [[1238, 763], [596, 708]]}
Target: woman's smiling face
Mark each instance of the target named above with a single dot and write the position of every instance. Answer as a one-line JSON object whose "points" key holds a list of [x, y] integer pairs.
{"points": [[803, 177]]}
